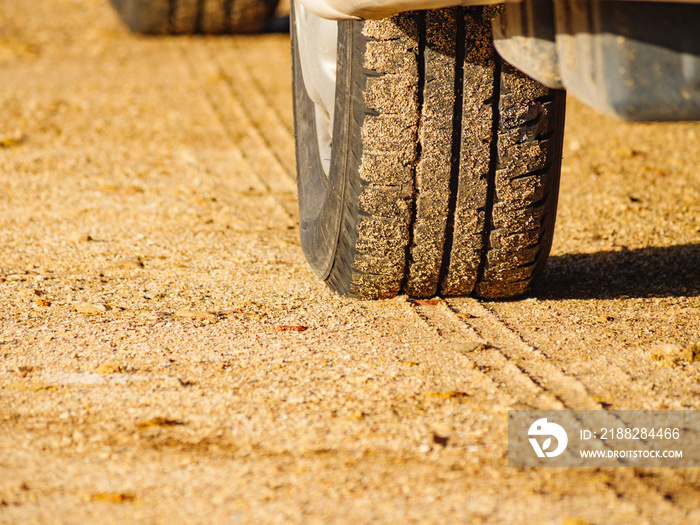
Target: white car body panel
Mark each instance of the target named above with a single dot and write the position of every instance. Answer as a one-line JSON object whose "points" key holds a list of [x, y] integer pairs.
{"points": [[375, 9]]}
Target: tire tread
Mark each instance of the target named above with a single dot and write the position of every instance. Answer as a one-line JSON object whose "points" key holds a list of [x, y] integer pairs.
{"points": [[452, 166]]}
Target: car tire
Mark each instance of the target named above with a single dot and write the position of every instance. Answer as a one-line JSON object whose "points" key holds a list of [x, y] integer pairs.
{"points": [[162, 17], [445, 162]]}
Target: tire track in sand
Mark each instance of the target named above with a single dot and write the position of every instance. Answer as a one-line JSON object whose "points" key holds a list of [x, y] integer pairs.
{"points": [[526, 375], [230, 111]]}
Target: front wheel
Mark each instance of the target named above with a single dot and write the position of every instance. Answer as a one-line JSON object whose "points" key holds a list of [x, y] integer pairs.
{"points": [[444, 161]]}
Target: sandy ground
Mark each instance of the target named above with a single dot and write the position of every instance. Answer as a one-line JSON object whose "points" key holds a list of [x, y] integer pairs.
{"points": [[167, 357]]}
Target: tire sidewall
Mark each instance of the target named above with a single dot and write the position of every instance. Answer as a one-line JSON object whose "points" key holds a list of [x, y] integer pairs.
{"points": [[323, 202]]}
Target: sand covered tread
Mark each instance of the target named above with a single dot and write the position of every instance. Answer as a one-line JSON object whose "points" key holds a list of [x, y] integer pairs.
{"points": [[450, 179]]}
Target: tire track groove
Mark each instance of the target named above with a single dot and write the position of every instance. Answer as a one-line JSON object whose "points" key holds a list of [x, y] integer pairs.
{"points": [[569, 391], [261, 113], [249, 78], [230, 112], [525, 393], [535, 384]]}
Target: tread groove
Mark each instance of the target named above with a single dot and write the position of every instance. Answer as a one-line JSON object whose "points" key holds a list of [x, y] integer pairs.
{"points": [[420, 19], [536, 173], [537, 204], [228, 22], [171, 16], [544, 99], [199, 17], [461, 44]]}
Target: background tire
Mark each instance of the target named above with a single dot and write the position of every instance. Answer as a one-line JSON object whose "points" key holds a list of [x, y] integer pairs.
{"points": [[162, 17], [445, 162]]}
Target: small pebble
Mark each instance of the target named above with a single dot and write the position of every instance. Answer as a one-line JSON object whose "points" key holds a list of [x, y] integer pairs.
{"points": [[467, 347], [23, 370], [91, 308], [691, 353], [30, 294], [667, 349], [109, 367], [173, 382], [82, 238], [132, 263]]}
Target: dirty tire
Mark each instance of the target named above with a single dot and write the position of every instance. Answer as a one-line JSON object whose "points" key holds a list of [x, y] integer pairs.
{"points": [[162, 17], [445, 162]]}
